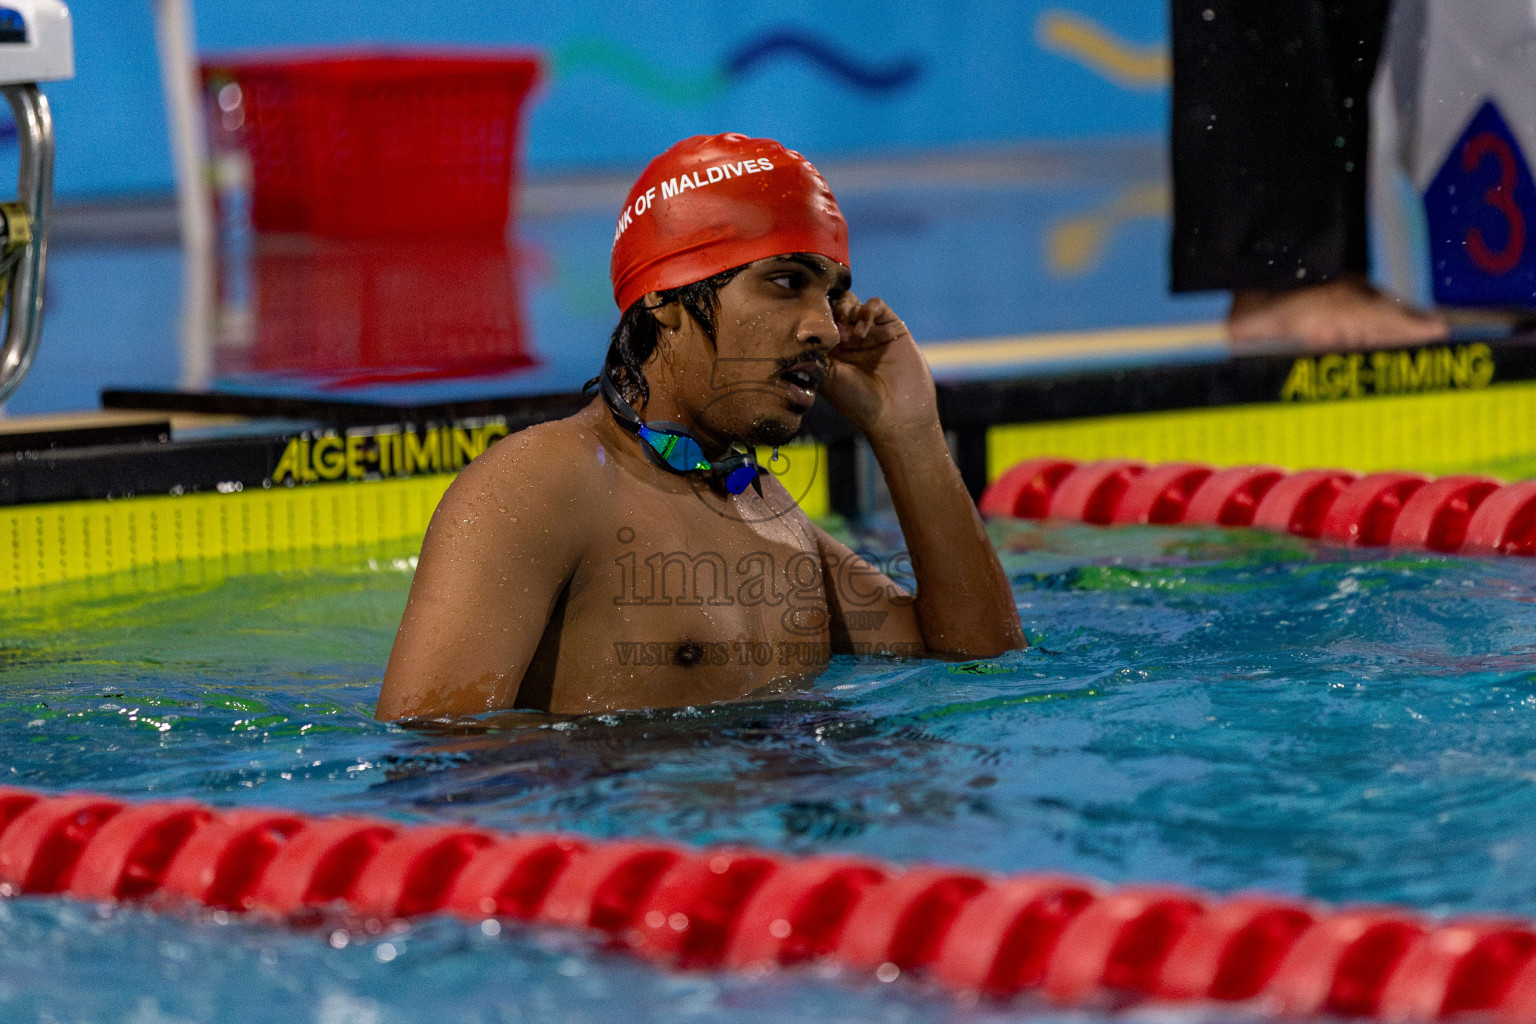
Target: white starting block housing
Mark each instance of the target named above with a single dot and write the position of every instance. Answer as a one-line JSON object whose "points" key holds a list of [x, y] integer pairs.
{"points": [[36, 45], [37, 42]]}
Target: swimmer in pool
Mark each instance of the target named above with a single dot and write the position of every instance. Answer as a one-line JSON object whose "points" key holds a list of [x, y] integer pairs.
{"points": [[637, 554]]}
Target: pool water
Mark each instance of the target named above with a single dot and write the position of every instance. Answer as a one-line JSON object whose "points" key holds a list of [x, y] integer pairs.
{"points": [[1227, 710]]}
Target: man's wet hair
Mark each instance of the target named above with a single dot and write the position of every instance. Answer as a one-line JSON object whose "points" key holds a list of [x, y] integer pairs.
{"points": [[634, 339]]}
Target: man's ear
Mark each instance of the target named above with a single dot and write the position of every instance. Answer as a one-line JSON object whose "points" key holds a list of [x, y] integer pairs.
{"points": [[668, 314]]}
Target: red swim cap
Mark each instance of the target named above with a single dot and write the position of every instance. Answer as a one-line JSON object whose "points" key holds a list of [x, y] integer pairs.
{"points": [[714, 202]]}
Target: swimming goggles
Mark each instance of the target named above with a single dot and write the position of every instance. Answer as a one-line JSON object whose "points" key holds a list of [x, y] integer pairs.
{"points": [[670, 446]]}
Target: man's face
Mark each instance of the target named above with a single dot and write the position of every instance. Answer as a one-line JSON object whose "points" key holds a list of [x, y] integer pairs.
{"points": [[774, 332]]}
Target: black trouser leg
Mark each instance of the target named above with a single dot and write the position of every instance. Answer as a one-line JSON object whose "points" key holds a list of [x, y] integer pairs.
{"points": [[1270, 132]]}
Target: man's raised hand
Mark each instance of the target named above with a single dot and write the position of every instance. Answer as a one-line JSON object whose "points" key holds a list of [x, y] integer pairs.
{"points": [[879, 380]]}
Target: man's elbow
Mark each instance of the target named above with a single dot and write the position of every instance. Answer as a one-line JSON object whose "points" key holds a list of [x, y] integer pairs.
{"points": [[391, 705], [972, 645], [491, 691]]}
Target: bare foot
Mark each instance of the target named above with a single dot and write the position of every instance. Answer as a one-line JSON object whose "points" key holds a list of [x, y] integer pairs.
{"points": [[1343, 313]]}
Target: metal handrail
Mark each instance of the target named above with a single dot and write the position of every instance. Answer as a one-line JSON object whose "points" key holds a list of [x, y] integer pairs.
{"points": [[34, 187]]}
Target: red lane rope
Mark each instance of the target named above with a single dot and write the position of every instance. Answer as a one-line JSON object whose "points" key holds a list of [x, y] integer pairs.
{"points": [[1073, 941], [1466, 514]]}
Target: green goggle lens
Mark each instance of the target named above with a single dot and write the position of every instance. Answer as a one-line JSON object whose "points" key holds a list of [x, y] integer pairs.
{"points": [[681, 453]]}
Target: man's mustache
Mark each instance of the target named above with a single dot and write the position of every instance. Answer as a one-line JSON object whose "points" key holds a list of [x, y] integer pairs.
{"points": [[817, 356]]}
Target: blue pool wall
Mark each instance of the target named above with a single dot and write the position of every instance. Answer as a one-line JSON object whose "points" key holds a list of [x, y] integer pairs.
{"points": [[624, 80]]}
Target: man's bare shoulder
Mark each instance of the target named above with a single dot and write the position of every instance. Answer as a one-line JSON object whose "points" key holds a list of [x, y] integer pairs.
{"points": [[539, 470], [564, 449]]}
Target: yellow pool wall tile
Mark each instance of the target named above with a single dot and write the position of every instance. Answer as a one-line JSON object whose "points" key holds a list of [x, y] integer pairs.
{"points": [[250, 530]]}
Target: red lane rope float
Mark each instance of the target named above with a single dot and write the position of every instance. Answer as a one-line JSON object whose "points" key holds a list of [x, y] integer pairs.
{"points": [[1466, 514], [1092, 492], [1230, 497], [1437, 515], [1069, 940], [1505, 523], [1161, 494], [1366, 511]]}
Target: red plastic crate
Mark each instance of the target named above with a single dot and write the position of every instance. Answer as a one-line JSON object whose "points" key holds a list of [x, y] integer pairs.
{"points": [[376, 144]]}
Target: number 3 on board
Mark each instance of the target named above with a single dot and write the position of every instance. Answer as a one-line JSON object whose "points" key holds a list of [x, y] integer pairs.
{"points": [[1500, 197], [1477, 209]]}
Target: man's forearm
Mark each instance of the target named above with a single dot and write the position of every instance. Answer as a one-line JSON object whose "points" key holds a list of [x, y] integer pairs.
{"points": [[964, 604]]}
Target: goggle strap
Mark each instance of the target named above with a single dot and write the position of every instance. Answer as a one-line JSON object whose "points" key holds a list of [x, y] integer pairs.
{"points": [[622, 410]]}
